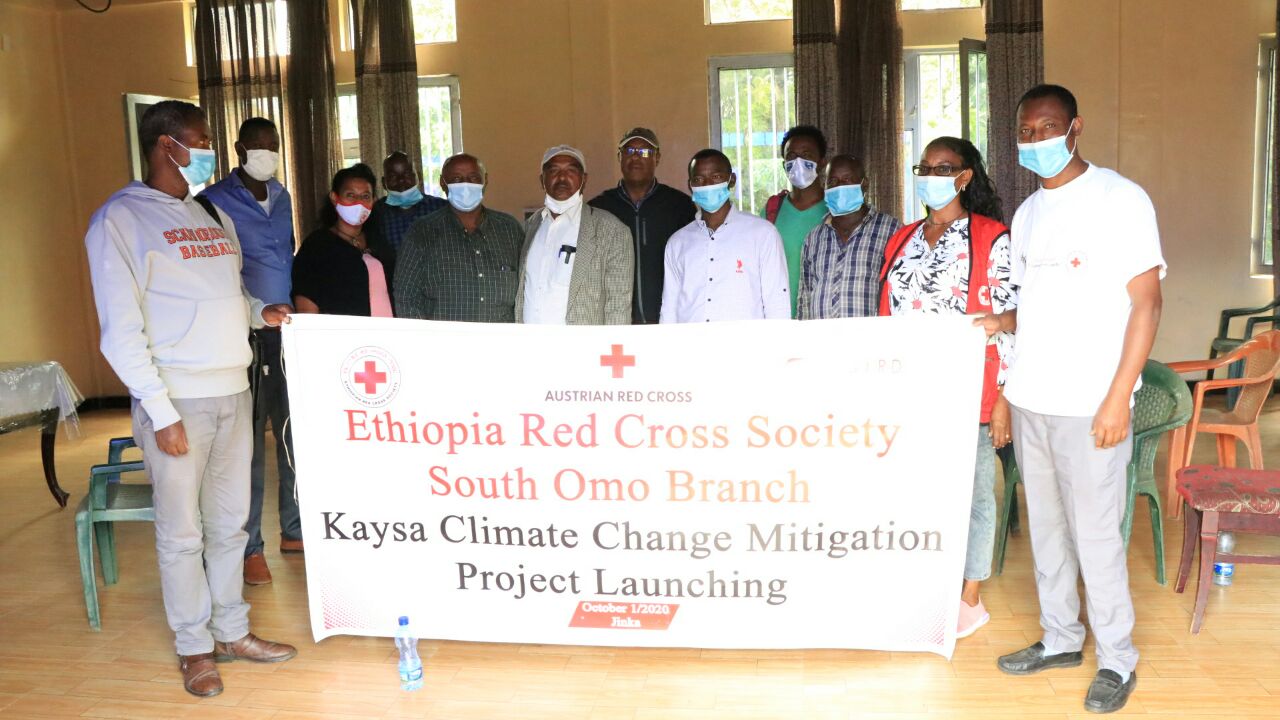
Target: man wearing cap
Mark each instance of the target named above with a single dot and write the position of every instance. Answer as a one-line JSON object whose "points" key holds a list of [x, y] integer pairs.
{"points": [[578, 265], [651, 210]]}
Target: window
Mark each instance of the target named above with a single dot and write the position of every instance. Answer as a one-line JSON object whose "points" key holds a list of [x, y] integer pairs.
{"points": [[1264, 159], [940, 4], [944, 93], [434, 21], [752, 106], [280, 34], [735, 11], [439, 122]]}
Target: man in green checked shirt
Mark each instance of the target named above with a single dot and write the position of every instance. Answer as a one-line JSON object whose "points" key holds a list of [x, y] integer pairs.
{"points": [[459, 263]]}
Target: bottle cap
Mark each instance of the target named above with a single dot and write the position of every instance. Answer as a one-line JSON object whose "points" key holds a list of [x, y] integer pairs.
{"points": [[404, 620]]}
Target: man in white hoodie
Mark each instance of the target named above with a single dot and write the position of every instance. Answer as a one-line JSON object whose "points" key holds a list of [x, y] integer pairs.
{"points": [[175, 320]]}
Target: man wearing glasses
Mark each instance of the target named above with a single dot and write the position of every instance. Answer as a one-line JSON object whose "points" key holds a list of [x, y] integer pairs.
{"points": [[652, 211]]}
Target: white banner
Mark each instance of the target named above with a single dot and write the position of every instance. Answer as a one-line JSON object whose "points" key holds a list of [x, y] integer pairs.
{"points": [[725, 485]]}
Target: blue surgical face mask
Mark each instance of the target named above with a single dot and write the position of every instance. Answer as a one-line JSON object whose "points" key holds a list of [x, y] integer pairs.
{"points": [[844, 199], [404, 198], [199, 168], [936, 192], [1046, 158], [711, 197], [465, 196]]}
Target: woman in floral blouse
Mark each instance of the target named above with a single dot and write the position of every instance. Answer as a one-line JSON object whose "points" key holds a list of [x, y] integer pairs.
{"points": [[957, 261]]}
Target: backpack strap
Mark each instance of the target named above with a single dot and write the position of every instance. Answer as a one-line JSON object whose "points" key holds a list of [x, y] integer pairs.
{"points": [[773, 206], [207, 204]]}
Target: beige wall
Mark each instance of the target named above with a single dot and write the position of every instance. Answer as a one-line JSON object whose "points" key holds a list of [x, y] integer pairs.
{"points": [[1166, 89], [41, 277], [1167, 92]]}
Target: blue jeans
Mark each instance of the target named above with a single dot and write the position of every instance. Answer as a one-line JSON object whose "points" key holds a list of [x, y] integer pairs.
{"points": [[270, 403], [982, 511]]}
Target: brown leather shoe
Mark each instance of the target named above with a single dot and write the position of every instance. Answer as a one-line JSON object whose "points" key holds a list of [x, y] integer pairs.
{"points": [[253, 648], [255, 570], [199, 674], [289, 546]]}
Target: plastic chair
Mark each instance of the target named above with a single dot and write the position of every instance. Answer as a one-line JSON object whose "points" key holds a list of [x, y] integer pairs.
{"points": [[108, 501], [1260, 357], [1225, 343], [1163, 403]]}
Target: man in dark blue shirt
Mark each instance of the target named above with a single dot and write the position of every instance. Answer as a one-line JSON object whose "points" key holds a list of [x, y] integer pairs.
{"points": [[262, 212], [405, 202]]}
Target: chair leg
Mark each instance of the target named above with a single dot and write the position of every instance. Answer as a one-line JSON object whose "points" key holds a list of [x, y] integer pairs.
{"points": [[1131, 495], [106, 532], [1157, 535], [1177, 450], [84, 544], [1009, 506], [1253, 440], [1226, 450], [1190, 532], [1208, 553]]}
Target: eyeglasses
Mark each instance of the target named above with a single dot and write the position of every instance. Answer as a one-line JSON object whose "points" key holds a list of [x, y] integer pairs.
{"points": [[944, 169], [642, 152]]}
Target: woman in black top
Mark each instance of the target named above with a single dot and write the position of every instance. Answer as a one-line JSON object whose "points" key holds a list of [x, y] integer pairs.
{"points": [[338, 271]]}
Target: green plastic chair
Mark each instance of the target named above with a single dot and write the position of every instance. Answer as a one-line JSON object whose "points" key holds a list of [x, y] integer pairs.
{"points": [[108, 501], [1163, 403], [1224, 343]]}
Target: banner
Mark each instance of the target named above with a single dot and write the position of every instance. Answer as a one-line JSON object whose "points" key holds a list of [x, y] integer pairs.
{"points": [[769, 484]]}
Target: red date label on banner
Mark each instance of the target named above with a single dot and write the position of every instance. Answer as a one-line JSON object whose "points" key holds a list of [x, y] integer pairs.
{"points": [[623, 615]]}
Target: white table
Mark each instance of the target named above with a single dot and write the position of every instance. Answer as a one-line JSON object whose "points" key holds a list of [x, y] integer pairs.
{"points": [[40, 394]]}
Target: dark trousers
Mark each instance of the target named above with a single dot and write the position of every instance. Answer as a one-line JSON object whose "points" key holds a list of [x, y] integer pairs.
{"points": [[270, 403]]}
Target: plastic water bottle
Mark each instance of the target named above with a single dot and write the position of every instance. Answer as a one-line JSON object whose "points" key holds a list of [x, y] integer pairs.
{"points": [[410, 663], [1224, 571]]}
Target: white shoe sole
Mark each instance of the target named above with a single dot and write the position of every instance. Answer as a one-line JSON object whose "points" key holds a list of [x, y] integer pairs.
{"points": [[975, 627]]}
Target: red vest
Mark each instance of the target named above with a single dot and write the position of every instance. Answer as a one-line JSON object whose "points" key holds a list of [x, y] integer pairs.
{"points": [[983, 233]]}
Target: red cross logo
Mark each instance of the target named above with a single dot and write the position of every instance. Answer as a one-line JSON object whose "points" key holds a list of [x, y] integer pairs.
{"points": [[1075, 262], [617, 361], [371, 378]]}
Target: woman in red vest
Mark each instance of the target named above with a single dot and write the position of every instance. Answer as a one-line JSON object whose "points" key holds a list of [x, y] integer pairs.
{"points": [[957, 261]]}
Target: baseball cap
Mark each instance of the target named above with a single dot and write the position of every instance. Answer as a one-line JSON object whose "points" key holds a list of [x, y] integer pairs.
{"points": [[640, 133], [569, 150]]}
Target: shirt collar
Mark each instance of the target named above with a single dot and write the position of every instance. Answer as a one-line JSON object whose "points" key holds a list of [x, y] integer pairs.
{"points": [[727, 218], [622, 190], [570, 215], [273, 185]]}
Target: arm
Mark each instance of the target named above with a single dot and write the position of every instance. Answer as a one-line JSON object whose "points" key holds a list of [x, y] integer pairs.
{"points": [[670, 285], [1111, 423], [124, 341], [304, 304], [410, 282], [803, 311], [619, 272], [775, 283]]}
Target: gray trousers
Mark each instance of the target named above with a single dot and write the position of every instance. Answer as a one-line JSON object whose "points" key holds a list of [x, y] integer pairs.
{"points": [[202, 501], [1075, 503]]}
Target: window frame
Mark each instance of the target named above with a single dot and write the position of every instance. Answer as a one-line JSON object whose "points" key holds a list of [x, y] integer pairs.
{"points": [[347, 27], [910, 209], [716, 63], [1264, 121], [979, 6]]}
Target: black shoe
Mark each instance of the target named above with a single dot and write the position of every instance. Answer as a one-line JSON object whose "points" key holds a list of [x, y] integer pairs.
{"points": [[1032, 660], [1106, 692]]}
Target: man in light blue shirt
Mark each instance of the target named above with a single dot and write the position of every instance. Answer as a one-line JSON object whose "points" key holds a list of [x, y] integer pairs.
{"points": [[262, 212]]}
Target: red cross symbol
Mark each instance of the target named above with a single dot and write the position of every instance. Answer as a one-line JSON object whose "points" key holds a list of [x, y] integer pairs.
{"points": [[617, 361], [1075, 262], [371, 378]]}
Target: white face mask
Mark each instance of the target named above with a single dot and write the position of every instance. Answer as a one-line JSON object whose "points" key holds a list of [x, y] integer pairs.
{"points": [[560, 207], [801, 172], [352, 214], [261, 165]]}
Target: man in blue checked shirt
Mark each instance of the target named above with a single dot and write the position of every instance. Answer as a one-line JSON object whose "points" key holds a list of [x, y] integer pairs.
{"points": [[405, 202], [262, 212], [842, 256]]}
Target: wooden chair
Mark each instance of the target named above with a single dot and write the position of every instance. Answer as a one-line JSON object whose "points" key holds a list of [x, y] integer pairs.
{"points": [[1160, 405], [108, 501], [1218, 499], [1261, 359]]}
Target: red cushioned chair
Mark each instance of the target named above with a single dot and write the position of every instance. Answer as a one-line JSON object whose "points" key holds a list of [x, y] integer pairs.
{"points": [[1218, 499]]}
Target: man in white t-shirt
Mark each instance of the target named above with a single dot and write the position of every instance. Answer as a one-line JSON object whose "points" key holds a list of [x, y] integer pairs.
{"points": [[1086, 255]]}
